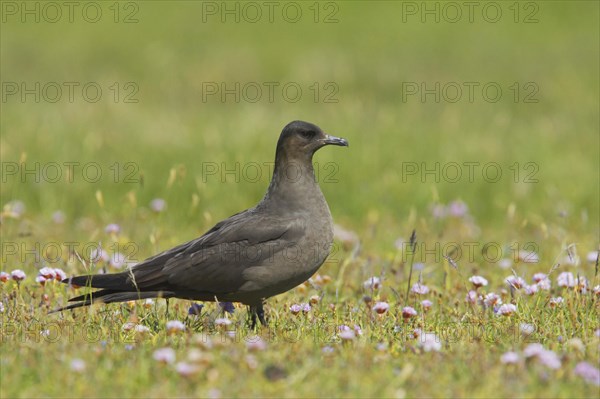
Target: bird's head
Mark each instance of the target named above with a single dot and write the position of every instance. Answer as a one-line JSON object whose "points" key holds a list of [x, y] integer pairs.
{"points": [[300, 139]]}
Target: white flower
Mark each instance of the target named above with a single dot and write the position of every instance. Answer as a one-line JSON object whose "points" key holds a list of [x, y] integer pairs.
{"points": [[372, 283], [164, 355], [526, 328], [1, 307], [139, 328], [478, 281]]}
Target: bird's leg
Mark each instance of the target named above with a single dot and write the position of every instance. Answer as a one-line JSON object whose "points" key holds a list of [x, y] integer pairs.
{"points": [[256, 311]]}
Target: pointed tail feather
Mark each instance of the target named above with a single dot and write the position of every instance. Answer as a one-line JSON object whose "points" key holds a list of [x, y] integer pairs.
{"points": [[111, 296]]}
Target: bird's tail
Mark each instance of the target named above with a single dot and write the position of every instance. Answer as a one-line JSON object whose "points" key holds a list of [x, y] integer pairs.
{"points": [[117, 287]]}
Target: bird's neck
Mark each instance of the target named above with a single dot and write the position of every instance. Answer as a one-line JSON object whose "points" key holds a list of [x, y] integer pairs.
{"points": [[293, 182]]}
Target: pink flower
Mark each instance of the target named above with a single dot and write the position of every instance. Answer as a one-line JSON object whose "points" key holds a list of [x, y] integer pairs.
{"points": [[185, 369], [427, 304], [430, 342], [408, 312], [78, 365], [478, 281], [164, 355], [372, 283], [47, 272], [531, 289], [507, 309], [18, 275], [492, 300], [346, 334], [509, 358], [420, 289], [4, 277], [544, 284], [539, 277], [588, 372], [112, 228], [566, 279], [174, 326], [554, 302], [381, 307], [549, 359], [516, 282], [158, 205], [471, 297], [596, 290], [41, 280], [533, 350]]}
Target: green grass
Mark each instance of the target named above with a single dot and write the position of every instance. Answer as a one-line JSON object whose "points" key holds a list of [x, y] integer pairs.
{"points": [[169, 138]]}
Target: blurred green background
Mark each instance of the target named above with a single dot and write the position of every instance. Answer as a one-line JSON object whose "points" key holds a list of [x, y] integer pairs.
{"points": [[365, 55]]}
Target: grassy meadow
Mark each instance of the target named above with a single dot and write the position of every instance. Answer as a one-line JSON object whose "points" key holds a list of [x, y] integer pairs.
{"points": [[130, 127]]}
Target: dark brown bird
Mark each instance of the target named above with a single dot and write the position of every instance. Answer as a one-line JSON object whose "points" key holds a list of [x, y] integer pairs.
{"points": [[248, 257]]}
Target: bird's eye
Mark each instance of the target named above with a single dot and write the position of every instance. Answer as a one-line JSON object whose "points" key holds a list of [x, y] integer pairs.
{"points": [[308, 134]]}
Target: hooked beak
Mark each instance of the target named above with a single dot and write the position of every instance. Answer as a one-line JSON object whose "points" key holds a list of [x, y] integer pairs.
{"points": [[335, 141]]}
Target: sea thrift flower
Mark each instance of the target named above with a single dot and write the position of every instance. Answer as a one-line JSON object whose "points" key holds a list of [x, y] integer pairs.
{"points": [[186, 369], [505, 263], [478, 281], [60, 274], [533, 350], [507, 309], [566, 279], [295, 308], [458, 208], [516, 282], [554, 302], [347, 334], [174, 326], [588, 372], [426, 304], [549, 359], [539, 277], [78, 365], [381, 307], [526, 328], [112, 228], [58, 217], [373, 283], [164, 355], [531, 289], [158, 205], [544, 284], [596, 290], [118, 260], [492, 300], [41, 280], [256, 343], [18, 275], [4, 277], [47, 272], [471, 297], [420, 289], [592, 256], [222, 322], [408, 312], [430, 342], [509, 358]]}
